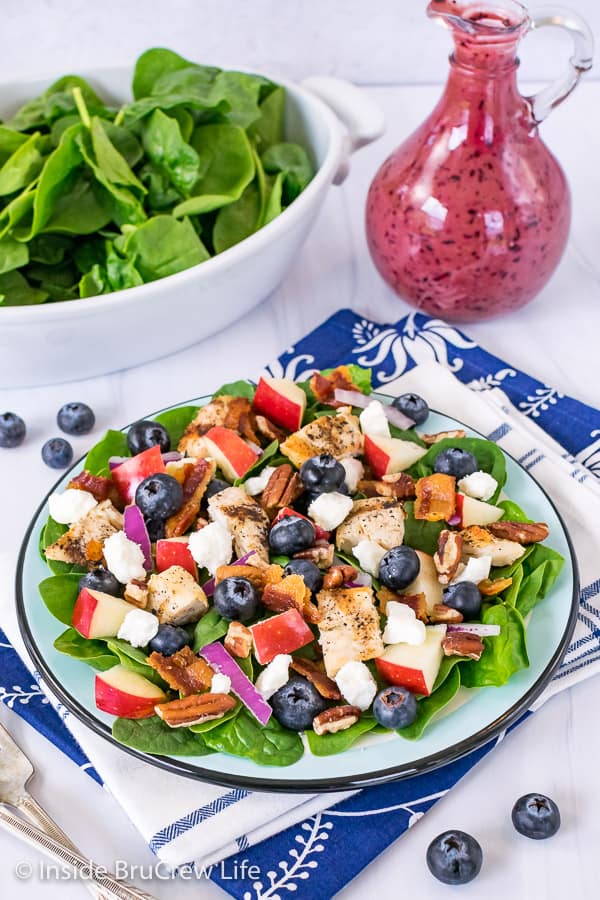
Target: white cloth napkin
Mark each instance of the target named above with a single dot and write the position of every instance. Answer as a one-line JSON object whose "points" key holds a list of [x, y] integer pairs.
{"points": [[191, 821]]}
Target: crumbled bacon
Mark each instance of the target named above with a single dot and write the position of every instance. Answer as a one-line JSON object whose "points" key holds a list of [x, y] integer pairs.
{"points": [[99, 487], [291, 592], [183, 671], [194, 488], [324, 386]]}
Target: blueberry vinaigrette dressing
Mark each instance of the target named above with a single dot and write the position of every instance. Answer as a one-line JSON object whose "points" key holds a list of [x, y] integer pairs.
{"points": [[470, 216]]}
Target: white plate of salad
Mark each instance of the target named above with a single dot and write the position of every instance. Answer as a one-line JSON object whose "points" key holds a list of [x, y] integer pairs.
{"points": [[297, 586]]}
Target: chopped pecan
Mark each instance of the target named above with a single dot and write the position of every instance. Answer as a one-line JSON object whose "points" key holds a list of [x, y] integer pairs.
{"points": [[183, 671], [442, 435], [195, 708], [283, 487], [194, 487], [314, 673], [337, 576], [440, 613], [448, 555], [521, 532], [291, 593], [268, 430], [489, 587], [94, 551], [321, 553], [462, 643], [398, 485], [238, 640], [417, 602], [337, 718], [436, 497], [324, 386], [136, 593], [99, 487], [252, 573]]}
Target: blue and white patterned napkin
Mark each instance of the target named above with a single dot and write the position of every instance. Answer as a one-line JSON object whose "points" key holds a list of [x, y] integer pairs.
{"points": [[296, 844]]}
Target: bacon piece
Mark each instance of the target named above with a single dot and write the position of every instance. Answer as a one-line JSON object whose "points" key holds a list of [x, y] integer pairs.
{"points": [[194, 488], [291, 593], [98, 486], [436, 497], [324, 386], [183, 671]]}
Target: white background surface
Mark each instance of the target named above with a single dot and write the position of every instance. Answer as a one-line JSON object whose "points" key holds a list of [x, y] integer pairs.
{"points": [[555, 338]]}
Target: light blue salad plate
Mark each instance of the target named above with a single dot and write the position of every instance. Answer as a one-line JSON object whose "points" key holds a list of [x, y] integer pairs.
{"points": [[461, 728]]}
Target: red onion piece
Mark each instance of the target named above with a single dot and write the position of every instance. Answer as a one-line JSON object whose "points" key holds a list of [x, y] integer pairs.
{"points": [[209, 587], [355, 398], [115, 461], [362, 579], [456, 519], [172, 456], [135, 529], [397, 418], [475, 628], [217, 656]]}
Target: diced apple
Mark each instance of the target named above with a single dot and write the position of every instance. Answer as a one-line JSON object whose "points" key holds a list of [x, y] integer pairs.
{"points": [[476, 512], [414, 667], [97, 615], [129, 474], [175, 552], [281, 401], [426, 582], [387, 456], [121, 692], [231, 453], [283, 633]]}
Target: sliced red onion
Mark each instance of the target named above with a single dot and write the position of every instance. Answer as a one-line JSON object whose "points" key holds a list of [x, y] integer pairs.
{"points": [[456, 519], [135, 529], [362, 579], [217, 656], [355, 398], [209, 587], [172, 456], [115, 461], [475, 628]]}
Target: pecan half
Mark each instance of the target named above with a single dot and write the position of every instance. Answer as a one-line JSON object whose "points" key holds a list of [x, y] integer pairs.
{"points": [[490, 588], [337, 718], [194, 709], [321, 553], [183, 671], [521, 532], [441, 436], [440, 613], [461, 643], [436, 497], [136, 593], [238, 640], [314, 673], [448, 555], [417, 602], [337, 576], [283, 487]]}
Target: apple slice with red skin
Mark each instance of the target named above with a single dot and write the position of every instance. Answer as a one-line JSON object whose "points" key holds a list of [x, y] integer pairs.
{"points": [[130, 474], [97, 615], [282, 633], [476, 512], [175, 552], [320, 533], [386, 456], [121, 692], [414, 667], [426, 582], [281, 401], [231, 453]]}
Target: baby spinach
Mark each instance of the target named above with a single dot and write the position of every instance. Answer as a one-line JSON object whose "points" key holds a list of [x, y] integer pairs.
{"points": [[237, 389], [419, 533], [328, 744], [114, 443], [504, 654], [263, 460], [163, 246], [202, 727], [152, 735], [169, 151], [134, 659], [210, 628], [59, 593], [291, 160], [176, 421], [15, 290], [267, 745], [540, 570], [13, 255], [93, 653], [430, 706]]}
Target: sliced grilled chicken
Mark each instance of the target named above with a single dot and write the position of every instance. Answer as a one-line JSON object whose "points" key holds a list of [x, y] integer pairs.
{"points": [[479, 541], [339, 435], [379, 519], [84, 540], [246, 520], [176, 597], [349, 627], [231, 412]]}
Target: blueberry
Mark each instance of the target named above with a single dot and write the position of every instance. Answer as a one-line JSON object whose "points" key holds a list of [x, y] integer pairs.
{"points": [[297, 703], [215, 486], [455, 461], [465, 597], [308, 570], [454, 857], [57, 453], [145, 434], [412, 406], [322, 474], [156, 529], [291, 535], [398, 568], [169, 639], [100, 579], [159, 496], [75, 418], [12, 430], [236, 598], [395, 707], [536, 816]]}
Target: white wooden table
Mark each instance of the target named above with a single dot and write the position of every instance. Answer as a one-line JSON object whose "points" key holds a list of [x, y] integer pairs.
{"points": [[556, 339]]}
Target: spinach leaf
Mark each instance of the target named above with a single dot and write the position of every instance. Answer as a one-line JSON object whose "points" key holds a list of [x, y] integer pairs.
{"points": [[292, 161], [430, 706], [176, 421], [242, 93], [152, 735], [490, 458], [202, 727], [267, 745], [155, 65], [328, 744], [134, 659], [13, 255], [93, 653], [56, 101], [10, 141], [419, 533], [59, 593], [163, 246], [120, 272], [540, 570], [274, 204], [237, 389], [210, 628], [263, 460], [15, 290], [503, 655], [165, 146], [512, 512], [114, 443], [237, 221], [268, 128], [50, 249], [23, 166]]}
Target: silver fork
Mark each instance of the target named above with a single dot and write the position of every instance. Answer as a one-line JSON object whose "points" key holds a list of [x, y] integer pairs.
{"points": [[15, 772]]}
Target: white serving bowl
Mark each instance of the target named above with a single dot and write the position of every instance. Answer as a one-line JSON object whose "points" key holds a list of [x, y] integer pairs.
{"points": [[77, 339]]}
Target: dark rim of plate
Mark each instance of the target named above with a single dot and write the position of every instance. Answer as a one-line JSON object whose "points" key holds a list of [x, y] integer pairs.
{"points": [[318, 785]]}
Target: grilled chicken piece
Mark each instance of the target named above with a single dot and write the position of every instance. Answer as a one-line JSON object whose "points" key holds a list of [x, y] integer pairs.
{"points": [[176, 597], [339, 435], [479, 541], [375, 519], [248, 523], [349, 627], [75, 545], [231, 412]]}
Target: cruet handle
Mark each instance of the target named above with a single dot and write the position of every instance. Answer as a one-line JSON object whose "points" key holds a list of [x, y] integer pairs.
{"points": [[581, 60]]}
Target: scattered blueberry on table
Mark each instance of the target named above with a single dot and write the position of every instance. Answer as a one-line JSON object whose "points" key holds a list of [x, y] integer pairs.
{"points": [[296, 704], [100, 579], [12, 430], [412, 406], [454, 857], [57, 453], [455, 461], [75, 418], [395, 707], [399, 567], [236, 598], [145, 434], [536, 816]]}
